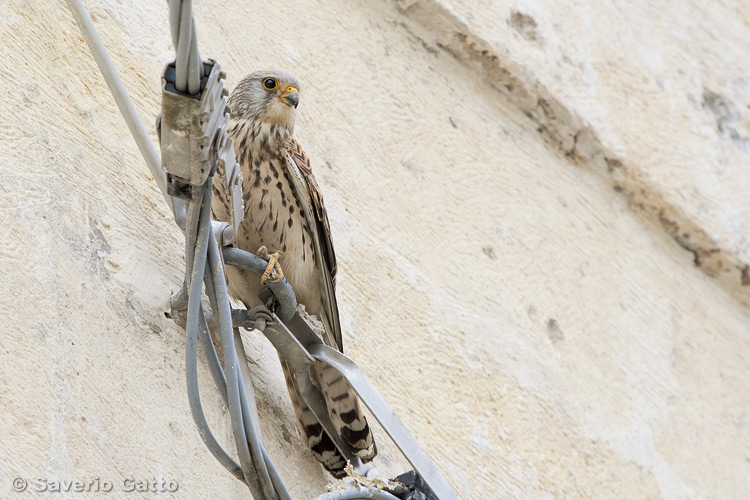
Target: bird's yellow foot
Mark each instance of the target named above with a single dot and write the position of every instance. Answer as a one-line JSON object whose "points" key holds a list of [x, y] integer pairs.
{"points": [[273, 272]]}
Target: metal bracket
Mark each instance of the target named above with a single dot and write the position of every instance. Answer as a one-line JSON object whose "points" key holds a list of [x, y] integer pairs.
{"points": [[232, 180], [387, 419], [223, 234]]}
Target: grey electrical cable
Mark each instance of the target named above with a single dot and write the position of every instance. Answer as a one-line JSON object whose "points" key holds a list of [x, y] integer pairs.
{"points": [[250, 414], [175, 7], [182, 47], [191, 346], [213, 359], [242, 439], [251, 460], [180, 299], [195, 68], [220, 382], [204, 241], [127, 109], [188, 64], [191, 228], [193, 215], [252, 430], [189, 70], [355, 493], [271, 482]]}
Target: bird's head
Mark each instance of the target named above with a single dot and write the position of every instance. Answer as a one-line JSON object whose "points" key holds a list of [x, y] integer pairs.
{"points": [[266, 96]]}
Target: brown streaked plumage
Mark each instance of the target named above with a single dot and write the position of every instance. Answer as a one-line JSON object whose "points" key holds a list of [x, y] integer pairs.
{"points": [[294, 222]]}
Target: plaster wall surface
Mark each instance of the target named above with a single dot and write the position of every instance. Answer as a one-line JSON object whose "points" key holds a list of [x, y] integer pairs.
{"points": [[509, 185]]}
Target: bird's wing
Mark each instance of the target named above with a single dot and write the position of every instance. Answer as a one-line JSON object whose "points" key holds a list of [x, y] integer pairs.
{"points": [[304, 182]]}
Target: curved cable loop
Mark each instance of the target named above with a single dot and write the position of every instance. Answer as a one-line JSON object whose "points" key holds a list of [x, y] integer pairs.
{"points": [[251, 419], [249, 414], [256, 475], [191, 345], [255, 468]]}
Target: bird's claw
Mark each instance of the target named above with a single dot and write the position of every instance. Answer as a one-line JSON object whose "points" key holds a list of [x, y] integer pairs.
{"points": [[273, 272], [263, 253]]}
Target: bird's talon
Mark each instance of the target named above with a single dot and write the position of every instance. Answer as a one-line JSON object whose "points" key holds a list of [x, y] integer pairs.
{"points": [[262, 253], [273, 272]]}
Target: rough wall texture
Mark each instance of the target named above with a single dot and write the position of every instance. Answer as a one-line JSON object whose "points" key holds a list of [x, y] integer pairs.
{"points": [[540, 215]]}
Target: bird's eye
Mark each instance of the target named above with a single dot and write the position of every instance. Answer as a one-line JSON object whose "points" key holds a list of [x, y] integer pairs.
{"points": [[270, 84]]}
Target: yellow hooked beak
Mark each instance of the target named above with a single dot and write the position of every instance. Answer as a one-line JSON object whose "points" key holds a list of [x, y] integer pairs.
{"points": [[290, 96]]}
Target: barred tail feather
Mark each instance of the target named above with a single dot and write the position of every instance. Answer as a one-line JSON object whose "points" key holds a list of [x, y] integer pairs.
{"points": [[345, 412], [317, 439]]}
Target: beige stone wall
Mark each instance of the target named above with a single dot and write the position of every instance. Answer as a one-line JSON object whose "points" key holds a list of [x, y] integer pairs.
{"points": [[540, 215]]}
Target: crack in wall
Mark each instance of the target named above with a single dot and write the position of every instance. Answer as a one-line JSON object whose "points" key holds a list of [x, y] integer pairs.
{"points": [[438, 28]]}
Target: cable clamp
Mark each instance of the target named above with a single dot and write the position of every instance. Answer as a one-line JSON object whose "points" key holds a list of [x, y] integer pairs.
{"points": [[194, 141]]}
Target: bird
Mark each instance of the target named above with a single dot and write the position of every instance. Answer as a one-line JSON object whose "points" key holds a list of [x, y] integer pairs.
{"points": [[288, 225]]}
